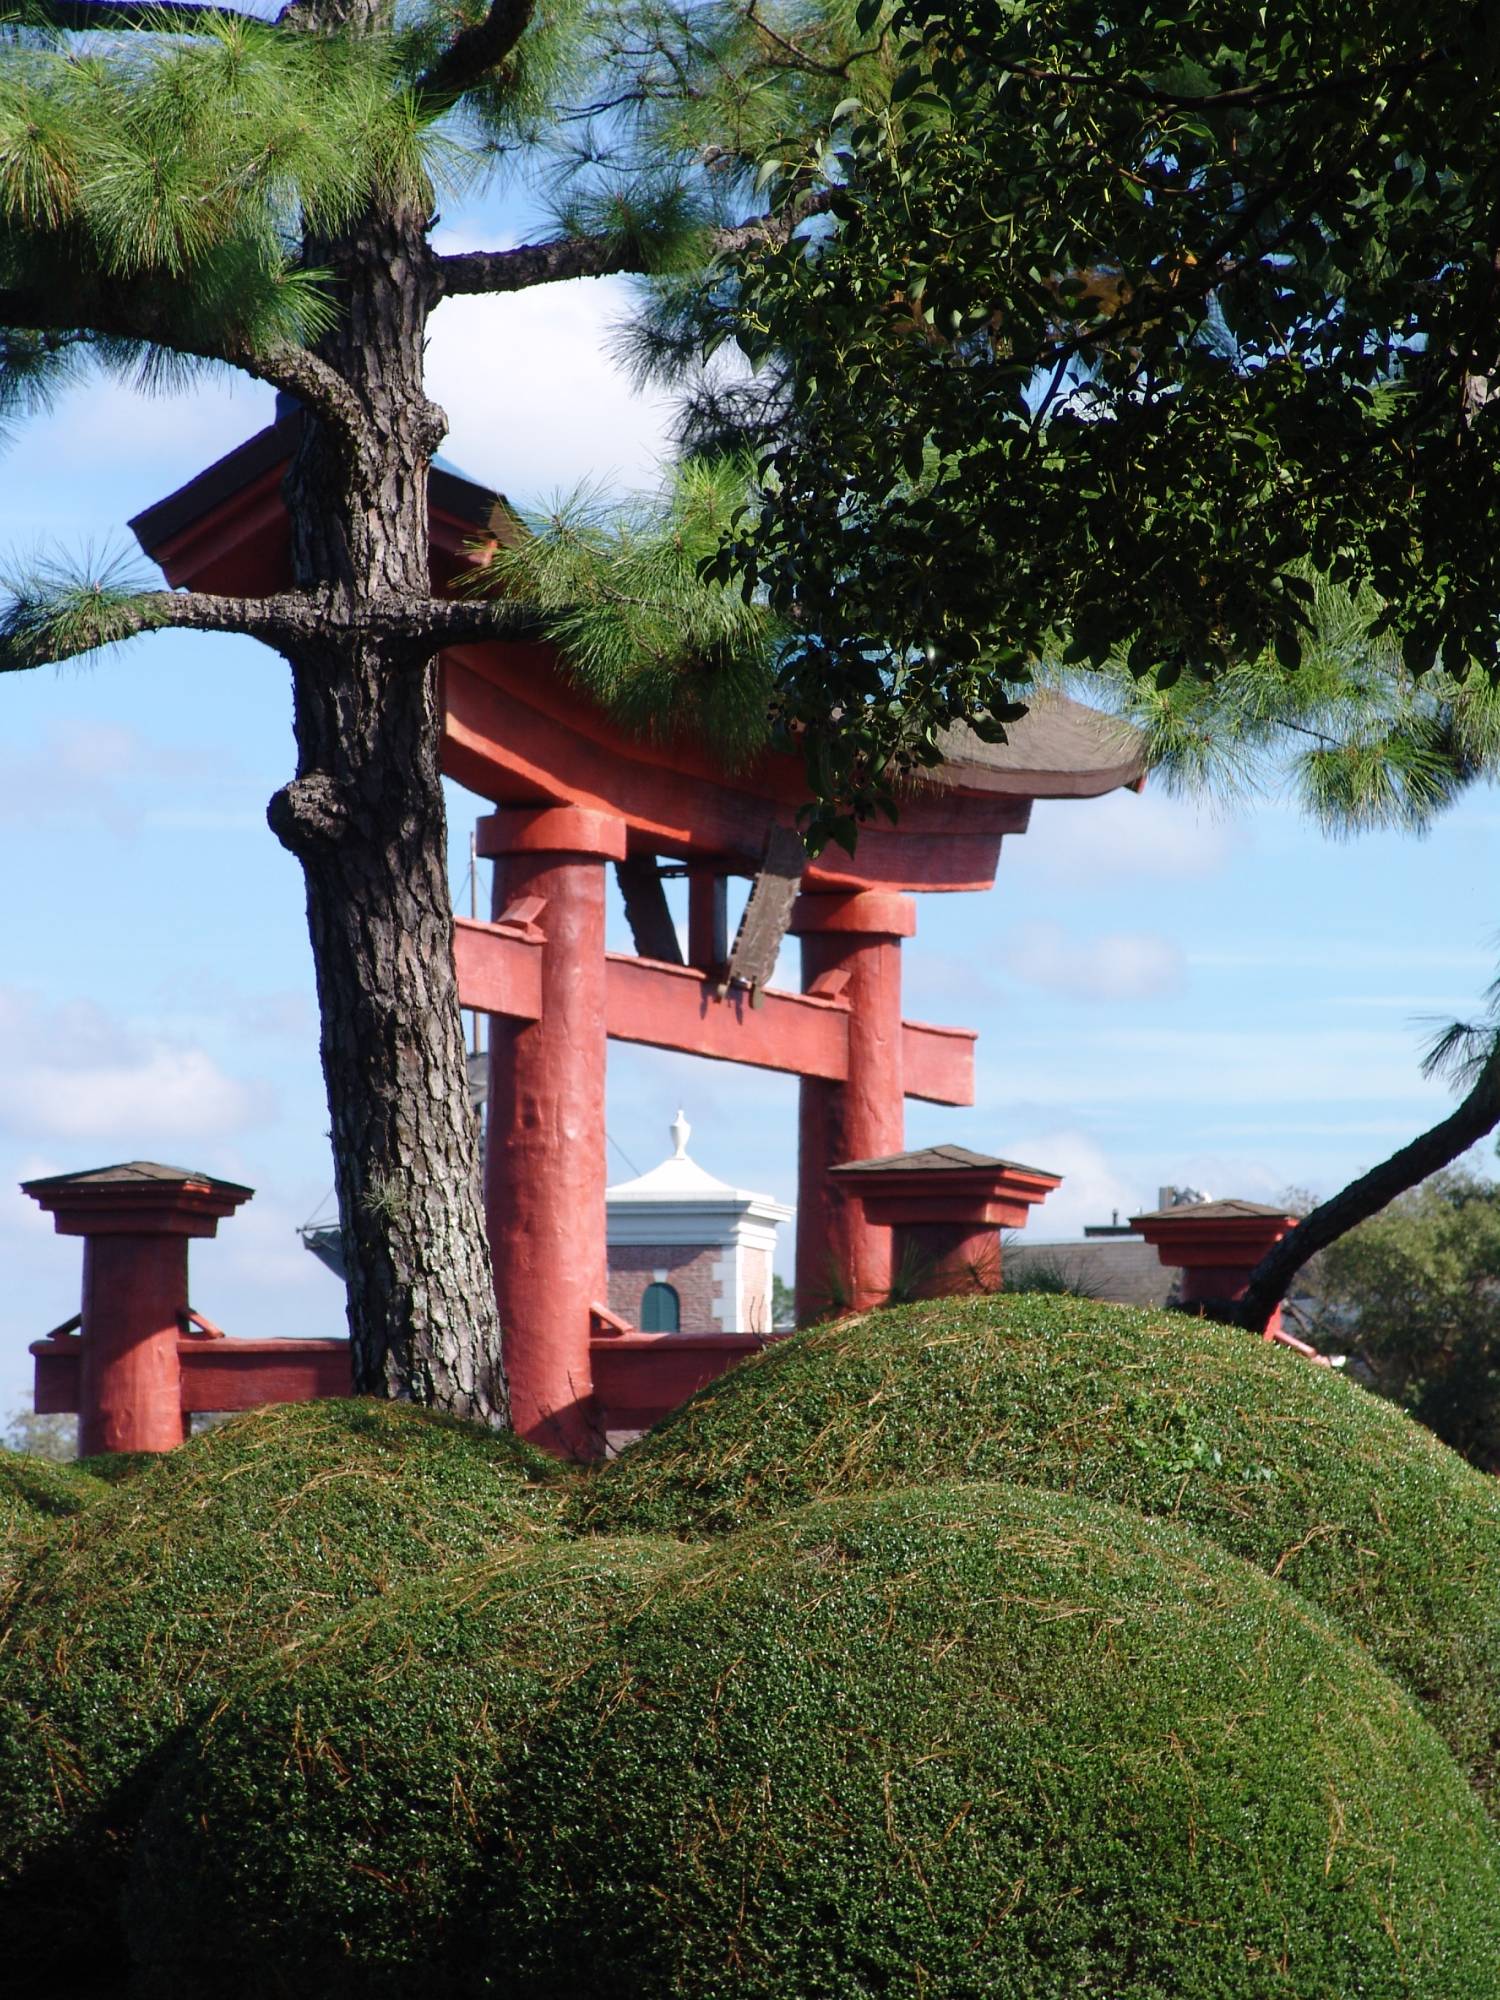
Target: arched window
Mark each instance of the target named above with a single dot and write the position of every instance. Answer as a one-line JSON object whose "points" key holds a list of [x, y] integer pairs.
{"points": [[661, 1310]]}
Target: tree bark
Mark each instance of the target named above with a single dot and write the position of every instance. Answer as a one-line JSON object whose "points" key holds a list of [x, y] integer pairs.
{"points": [[1438, 1147], [365, 817]]}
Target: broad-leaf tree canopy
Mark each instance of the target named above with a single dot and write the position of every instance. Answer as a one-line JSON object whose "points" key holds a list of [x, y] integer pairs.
{"points": [[1416, 1293], [1108, 332]]}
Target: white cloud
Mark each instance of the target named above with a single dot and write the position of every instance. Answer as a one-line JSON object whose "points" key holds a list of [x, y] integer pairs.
{"points": [[1092, 1189], [1418, 1005], [75, 1074], [106, 430], [1098, 1186], [535, 403], [1333, 953], [1121, 965], [1123, 837], [178, 1092], [109, 772]]}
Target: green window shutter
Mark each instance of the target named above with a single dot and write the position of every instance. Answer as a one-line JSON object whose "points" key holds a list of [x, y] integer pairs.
{"points": [[661, 1310]]}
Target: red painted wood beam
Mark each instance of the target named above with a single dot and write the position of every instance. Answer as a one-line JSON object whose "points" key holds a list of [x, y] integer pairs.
{"points": [[641, 1377], [516, 730], [244, 1374], [938, 1063], [675, 1007], [215, 1375], [56, 1392], [499, 968]]}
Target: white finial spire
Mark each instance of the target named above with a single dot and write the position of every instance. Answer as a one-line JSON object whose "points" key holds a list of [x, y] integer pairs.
{"points": [[681, 1132]]}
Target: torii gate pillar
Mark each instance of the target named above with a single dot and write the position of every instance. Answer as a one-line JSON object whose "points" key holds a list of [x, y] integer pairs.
{"points": [[136, 1221], [851, 943], [544, 1168]]}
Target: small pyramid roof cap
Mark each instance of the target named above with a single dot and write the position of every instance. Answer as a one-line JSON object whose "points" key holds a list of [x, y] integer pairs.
{"points": [[1230, 1209], [136, 1173], [680, 1178]]}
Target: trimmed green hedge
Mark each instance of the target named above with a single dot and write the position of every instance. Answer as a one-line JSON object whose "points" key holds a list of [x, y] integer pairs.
{"points": [[1290, 1466], [338, 1824], [36, 1493], [980, 1743], [126, 1623]]}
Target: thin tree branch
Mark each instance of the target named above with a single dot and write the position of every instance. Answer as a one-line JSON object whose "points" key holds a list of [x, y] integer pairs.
{"points": [[796, 57], [603, 256], [529, 264], [476, 51], [1478, 1115]]}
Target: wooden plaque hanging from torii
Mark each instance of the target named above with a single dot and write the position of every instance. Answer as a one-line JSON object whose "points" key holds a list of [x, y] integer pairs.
{"points": [[768, 914]]}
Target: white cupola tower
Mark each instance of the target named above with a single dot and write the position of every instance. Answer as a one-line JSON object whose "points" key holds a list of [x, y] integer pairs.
{"points": [[689, 1253]]}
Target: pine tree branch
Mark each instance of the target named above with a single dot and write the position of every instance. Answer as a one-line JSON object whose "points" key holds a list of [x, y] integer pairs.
{"points": [[111, 312], [45, 629], [603, 255], [302, 374], [475, 52], [458, 622], [1438, 1147], [551, 263], [291, 616]]}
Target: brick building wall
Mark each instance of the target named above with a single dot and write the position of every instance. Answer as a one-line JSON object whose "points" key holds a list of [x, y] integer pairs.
{"points": [[696, 1272]]}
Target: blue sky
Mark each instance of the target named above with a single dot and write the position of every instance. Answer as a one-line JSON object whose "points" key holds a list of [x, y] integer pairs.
{"points": [[1161, 995]]}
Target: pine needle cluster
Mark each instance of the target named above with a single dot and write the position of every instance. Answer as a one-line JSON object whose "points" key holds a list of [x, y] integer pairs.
{"points": [[181, 171], [1356, 738], [53, 607], [622, 592]]}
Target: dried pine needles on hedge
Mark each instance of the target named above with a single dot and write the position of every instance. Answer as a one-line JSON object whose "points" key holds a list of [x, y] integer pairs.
{"points": [[982, 1742], [1291, 1467]]}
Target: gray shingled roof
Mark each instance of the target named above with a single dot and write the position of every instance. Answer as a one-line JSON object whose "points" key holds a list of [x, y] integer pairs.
{"points": [[1209, 1211], [933, 1159], [1058, 745], [135, 1173], [1121, 1271]]}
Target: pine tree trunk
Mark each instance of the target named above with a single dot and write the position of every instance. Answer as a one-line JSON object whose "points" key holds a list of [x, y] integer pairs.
{"points": [[365, 817]]}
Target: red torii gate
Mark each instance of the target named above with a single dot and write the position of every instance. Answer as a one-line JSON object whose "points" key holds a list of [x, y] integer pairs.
{"points": [[574, 795]]}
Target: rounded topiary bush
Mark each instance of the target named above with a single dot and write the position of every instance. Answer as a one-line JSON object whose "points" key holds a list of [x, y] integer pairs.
{"points": [[330, 1829], [42, 1489], [981, 1742], [1289, 1466], [35, 1494], [127, 1621]]}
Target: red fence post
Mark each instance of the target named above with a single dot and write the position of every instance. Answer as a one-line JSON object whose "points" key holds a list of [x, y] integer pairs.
{"points": [[946, 1207], [1218, 1244], [135, 1220]]}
